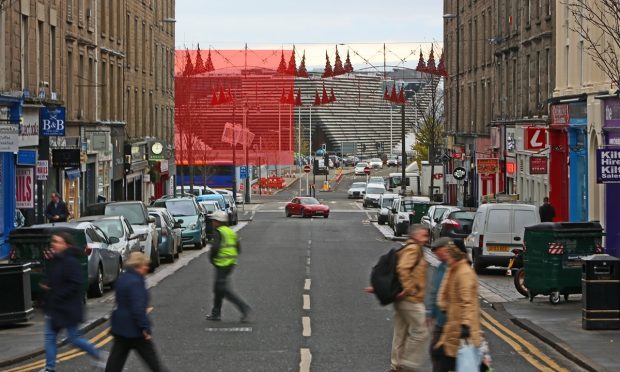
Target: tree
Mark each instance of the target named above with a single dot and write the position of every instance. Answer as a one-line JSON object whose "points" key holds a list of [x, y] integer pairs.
{"points": [[596, 22]]}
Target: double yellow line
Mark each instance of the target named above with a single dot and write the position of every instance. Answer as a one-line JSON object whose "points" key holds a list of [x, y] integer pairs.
{"points": [[99, 340], [525, 349]]}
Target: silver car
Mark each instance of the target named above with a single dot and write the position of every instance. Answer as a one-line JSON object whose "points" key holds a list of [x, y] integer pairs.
{"points": [[117, 227]]}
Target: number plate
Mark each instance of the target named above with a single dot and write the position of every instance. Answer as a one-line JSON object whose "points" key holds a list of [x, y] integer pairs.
{"points": [[497, 248]]}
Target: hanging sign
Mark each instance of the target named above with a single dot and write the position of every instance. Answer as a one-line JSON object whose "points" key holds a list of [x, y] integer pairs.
{"points": [[29, 129], [9, 141], [538, 165], [52, 121], [42, 170], [23, 186]]}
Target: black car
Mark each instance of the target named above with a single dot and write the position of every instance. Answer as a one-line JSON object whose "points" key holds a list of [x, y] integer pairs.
{"points": [[456, 225]]}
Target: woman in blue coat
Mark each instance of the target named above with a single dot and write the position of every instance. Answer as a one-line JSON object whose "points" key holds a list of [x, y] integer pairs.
{"points": [[64, 295], [130, 325]]}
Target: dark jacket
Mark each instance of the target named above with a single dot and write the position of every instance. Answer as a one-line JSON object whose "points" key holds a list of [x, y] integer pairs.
{"points": [[432, 311], [129, 318], [59, 209], [64, 301], [547, 213]]}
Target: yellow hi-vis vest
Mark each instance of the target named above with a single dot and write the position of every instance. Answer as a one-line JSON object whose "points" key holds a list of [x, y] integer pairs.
{"points": [[227, 255]]}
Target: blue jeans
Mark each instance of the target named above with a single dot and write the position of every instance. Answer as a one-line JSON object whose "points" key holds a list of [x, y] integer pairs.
{"points": [[74, 338]]}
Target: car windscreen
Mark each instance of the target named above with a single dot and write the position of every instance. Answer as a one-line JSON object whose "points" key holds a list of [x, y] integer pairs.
{"points": [[133, 212], [361, 165], [181, 208], [387, 202], [209, 207], [463, 215], [375, 190], [309, 201], [358, 185], [376, 160], [111, 228], [407, 205]]}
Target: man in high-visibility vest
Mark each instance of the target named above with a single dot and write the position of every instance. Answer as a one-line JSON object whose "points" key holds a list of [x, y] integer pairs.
{"points": [[224, 254]]}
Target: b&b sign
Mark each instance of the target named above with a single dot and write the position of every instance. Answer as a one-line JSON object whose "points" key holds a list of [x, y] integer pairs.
{"points": [[608, 165], [52, 121]]}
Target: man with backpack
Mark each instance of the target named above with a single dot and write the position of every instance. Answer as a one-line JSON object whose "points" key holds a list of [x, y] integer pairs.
{"points": [[410, 329]]}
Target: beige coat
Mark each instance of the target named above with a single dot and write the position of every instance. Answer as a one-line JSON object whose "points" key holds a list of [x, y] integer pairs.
{"points": [[411, 268], [458, 297]]}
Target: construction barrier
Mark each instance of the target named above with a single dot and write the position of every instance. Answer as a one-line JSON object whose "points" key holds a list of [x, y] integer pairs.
{"points": [[272, 183]]}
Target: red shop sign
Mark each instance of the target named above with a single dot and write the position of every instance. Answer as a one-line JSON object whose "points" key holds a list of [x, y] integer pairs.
{"points": [[538, 165]]}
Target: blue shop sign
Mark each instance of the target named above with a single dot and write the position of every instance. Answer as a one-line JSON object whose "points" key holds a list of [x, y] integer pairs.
{"points": [[27, 157], [608, 165], [52, 121]]}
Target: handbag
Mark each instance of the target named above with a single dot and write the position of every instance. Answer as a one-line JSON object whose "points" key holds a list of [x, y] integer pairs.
{"points": [[467, 357]]}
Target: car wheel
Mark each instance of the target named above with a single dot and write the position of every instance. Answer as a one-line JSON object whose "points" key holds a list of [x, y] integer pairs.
{"points": [[478, 265], [554, 298], [326, 216], [519, 280], [303, 213], [154, 260], [96, 288], [287, 212]]}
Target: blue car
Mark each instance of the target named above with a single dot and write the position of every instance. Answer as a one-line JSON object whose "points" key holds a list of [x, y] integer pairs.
{"points": [[191, 217]]}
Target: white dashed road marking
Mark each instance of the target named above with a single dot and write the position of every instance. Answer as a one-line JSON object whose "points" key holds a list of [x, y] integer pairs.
{"points": [[307, 284], [306, 302], [307, 330], [306, 359]]}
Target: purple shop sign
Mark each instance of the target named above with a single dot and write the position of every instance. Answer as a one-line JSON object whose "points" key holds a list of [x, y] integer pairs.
{"points": [[608, 165], [612, 113]]}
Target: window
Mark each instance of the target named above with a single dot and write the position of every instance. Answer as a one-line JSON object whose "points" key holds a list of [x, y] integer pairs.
{"points": [[70, 81], [498, 221], [538, 82], [40, 53], [145, 46], [80, 84], [439, 212], [102, 16], [581, 63], [135, 43]]}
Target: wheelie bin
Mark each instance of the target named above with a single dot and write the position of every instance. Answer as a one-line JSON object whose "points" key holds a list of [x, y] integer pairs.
{"points": [[552, 257], [16, 304]]}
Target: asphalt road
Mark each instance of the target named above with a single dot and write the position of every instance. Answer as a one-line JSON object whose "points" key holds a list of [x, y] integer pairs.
{"points": [[304, 279]]}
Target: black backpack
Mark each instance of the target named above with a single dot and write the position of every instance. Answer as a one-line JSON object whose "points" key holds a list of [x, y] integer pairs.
{"points": [[384, 278]]}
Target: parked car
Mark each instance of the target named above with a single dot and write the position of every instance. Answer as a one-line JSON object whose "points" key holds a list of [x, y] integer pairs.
{"points": [[375, 163], [117, 227], [306, 207], [385, 203], [351, 161], [197, 190], [372, 194], [169, 239], [356, 190], [392, 161], [231, 209], [210, 206], [455, 224], [376, 180], [497, 230], [401, 215], [217, 197], [240, 198], [435, 215], [101, 264], [359, 168], [191, 217]]}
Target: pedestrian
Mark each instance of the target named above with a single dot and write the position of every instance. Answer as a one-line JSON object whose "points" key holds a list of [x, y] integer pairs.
{"points": [[546, 211], [56, 210], [458, 299], [435, 317], [63, 301], [223, 255], [410, 330], [130, 324]]}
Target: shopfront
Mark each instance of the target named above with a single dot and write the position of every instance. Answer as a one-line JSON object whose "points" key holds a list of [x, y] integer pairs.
{"points": [[67, 162], [136, 167], [558, 161], [611, 130], [578, 162]]}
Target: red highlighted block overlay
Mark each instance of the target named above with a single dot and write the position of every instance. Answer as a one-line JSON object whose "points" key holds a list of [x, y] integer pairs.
{"points": [[241, 98]]}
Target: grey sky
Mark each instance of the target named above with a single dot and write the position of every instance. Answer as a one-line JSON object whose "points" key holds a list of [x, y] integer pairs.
{"points": [[314, 26]]}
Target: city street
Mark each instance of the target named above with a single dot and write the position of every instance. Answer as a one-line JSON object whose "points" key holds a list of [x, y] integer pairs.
{"points": [[304, 279]]}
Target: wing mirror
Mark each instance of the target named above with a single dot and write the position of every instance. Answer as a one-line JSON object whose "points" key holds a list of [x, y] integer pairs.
{"points": [[113, 240], [179, 221], [151, 219], [393, 210]]}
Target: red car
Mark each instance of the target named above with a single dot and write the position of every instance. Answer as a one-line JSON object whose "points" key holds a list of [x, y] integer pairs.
{"points": [[306, 207]]}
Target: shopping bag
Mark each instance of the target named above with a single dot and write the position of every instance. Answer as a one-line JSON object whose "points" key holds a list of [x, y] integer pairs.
{"points": [[467, 357]]}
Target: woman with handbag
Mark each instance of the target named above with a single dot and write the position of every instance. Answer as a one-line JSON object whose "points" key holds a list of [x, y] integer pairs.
{"points": [[458, 298]]}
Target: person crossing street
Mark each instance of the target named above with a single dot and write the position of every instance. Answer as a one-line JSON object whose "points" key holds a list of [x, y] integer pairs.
{"points": [[224, 254]]}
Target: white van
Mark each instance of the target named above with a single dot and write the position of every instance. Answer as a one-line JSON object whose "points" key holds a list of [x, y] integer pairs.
{"points": [[497, 230]]}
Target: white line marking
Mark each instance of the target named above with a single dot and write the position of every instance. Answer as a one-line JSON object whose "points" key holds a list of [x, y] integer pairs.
{"points": [[306, 360], [309, 242], [308, 261], [307, 284], [307, 330], [232, 329], [306, 302]]}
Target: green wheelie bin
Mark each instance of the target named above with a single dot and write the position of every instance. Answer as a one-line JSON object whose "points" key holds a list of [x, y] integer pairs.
{"points": [[552, 257]]}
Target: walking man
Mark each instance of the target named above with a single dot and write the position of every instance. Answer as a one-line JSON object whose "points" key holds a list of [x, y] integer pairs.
{"points": [[130, 325], [224, 253], [56, 210], [64, 292], [546, 211], [410, 330], [435, 317]]}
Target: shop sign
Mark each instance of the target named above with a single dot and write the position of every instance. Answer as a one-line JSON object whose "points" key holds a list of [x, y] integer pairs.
{"points": [[538, 165], [29, 129], [66, 158], [9, 141], [23, 187], [27, 157], [42, 170], [559, 114], [157, 151], [52, 121], [535, 138], [608, 165], [487, 166], [163, 166]]}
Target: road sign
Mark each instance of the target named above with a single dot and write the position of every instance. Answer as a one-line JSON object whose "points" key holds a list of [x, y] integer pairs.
{"points": [[535, 138], [367, 170], [306, 168], [243, 172], [459, 173]]}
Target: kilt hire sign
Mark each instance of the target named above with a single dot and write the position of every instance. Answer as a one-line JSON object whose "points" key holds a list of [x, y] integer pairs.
{"points": [[608, 165]]}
